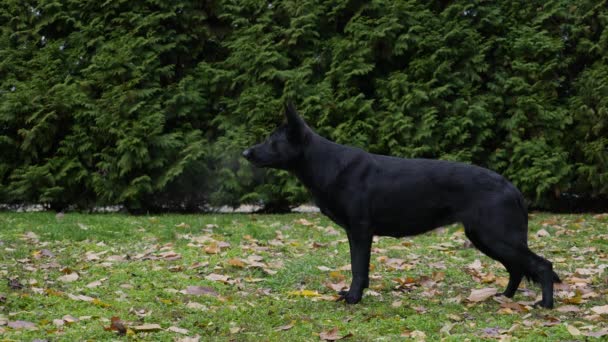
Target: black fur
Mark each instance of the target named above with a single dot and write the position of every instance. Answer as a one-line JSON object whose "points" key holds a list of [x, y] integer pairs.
{"points": [[369, 194]]}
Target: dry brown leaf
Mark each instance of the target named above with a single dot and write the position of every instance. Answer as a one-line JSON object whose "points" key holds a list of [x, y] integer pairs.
{"points": [[14, 284], [200, 290], [284, 327], [70, 319], [332, 335], [196, 338], [600, 310], [117, 325], [178, 330], [80, 297], [147, 327], [599, 333], [68, 278], [446, 328], [542, 233], [218, 277], [417, 335], [479, 295], [514, 306], [337, 286], [196, 306], [568, 308], [212, 249], [236, 262], [22, 325]]}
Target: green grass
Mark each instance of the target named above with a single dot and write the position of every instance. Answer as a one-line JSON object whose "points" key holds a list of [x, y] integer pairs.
{"points": [[268, 259]]}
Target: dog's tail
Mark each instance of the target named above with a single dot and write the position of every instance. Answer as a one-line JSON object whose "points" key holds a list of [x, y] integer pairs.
{"points": [[536, 276], [556, 278]]}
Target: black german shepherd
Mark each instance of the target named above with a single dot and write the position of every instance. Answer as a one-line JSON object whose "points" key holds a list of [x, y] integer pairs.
{"points": [[369, 194]]}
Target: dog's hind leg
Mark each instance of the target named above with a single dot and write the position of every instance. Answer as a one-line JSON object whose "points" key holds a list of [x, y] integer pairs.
{"points": [[515, 277], [503, 254], [517, 258]]}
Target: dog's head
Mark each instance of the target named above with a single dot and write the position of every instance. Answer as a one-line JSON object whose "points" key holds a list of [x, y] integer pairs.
{"points": [[284, 146]]}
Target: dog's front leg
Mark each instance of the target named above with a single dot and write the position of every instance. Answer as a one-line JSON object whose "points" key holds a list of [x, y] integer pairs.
{"points": [[360, 242]]}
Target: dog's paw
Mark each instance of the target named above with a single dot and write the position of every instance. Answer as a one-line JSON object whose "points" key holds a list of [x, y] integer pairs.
{"points": [[348, 297], [543, 304]]}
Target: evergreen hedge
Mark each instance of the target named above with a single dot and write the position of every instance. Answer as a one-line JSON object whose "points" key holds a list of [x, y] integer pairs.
{"points": [[149, 103]]}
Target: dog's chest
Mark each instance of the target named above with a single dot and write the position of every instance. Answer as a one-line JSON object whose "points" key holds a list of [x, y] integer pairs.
{"points": [[331, 208]]}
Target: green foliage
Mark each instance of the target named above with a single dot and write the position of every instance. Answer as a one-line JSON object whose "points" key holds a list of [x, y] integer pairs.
{"points": [[149, 104]]}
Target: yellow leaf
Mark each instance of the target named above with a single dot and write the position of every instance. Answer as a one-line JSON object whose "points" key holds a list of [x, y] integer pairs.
{"points": [[235, 262], [305, 293], [212, 249], [100, 303], [573, 331], [336, 275], [577, 299]]}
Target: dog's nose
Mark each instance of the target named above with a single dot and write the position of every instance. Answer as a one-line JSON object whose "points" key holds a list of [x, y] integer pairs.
{"points": [[247, 153]]}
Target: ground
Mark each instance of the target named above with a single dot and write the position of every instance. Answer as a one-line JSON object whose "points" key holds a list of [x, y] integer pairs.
{"points": [[247, 277]]}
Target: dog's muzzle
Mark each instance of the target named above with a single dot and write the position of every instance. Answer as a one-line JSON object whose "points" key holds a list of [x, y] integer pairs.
{"points": [[247, 154]]}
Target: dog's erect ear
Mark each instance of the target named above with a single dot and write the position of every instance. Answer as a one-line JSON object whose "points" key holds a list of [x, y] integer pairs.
{"points": [[292, 114], [297, 126]]}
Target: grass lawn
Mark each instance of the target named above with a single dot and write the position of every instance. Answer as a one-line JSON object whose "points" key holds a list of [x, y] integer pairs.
{"points": [[273, 278]]}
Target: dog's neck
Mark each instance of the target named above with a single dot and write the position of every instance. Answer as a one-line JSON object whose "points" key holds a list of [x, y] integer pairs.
{"points": [[320, 162]]}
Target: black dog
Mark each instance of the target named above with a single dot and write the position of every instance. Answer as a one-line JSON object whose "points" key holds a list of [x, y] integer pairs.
{"points": [[369, 194]]}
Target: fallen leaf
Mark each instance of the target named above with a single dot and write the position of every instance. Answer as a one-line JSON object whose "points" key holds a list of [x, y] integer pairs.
{"points": [[70, 319], [147, 327], [178, 330], [600, 310], [196, 306], [218, 277], [284, 327], [117, 325], [446, 328], [235, 262], [416, 335], [479, 295], [577, 299], [304, 293], [337, 286], [96, 283], [568, 308], [212, 249], [304, 222], [542, 233], [22, 325], [332, 335], [68, 278], [573, 330], [599, 333], [14, 284], [200, 290], [81, 297]]}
